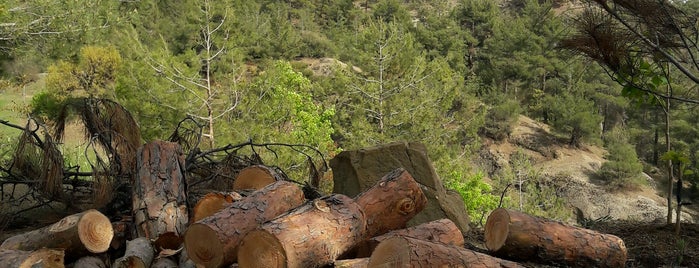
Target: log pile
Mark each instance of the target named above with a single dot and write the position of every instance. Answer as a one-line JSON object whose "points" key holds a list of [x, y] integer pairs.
{"points": [[269, 223]]}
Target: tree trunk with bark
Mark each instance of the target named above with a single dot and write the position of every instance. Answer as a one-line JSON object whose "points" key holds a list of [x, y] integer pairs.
{"points": [[213, 202], [256, 177], [42, 258], [519, 236], [159, 198], [391, 203], [213, 241], [164, 263], [89, 262], [401, 251], [77, 235], [139, 254], [442, 231], [352, 263], [313, 235]]}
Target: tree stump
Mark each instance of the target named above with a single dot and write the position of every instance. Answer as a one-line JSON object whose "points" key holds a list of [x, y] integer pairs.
{"points": [[400, 251], [77, 234], [211, 203], [442, 231], [42, 258], [139, 254], [391, 203], [213, 241], [89, 262], [312, 235], [352, 263], [255, 177], [519, 236], [159, 199]]}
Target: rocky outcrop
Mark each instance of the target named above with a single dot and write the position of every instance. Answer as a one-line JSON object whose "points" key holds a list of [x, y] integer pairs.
{"points": [[357, 170]]}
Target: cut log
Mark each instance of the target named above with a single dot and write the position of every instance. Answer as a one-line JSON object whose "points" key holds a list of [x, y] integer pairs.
{"points": [[255, 177], [400, 251], [159, 199], [441, 231], [89, 262], [519, 236], [313, 235], [42, 258], [213, 241], [212, 203], [352, 263], [77, 235], [139, 254], [164, 263], [184, 260], [391, 203]]}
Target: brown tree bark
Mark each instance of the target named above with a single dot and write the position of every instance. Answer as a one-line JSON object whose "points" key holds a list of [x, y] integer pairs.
{"points": [[42, 258], [213, 241], [443, 231], [211, 203], [391, 203], [352, 263], [400, 251], [519, 236], [89, 262], [159, 198], [312, 235], [139, 254], [77, 234], [255, 177]]}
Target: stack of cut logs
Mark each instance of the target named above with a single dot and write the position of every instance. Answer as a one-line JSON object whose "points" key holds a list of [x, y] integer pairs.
{"points": [[271, 225]]}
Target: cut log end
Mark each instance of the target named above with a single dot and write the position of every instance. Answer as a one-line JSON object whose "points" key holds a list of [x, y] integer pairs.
{"points": [[394, 252], [254, 177], [95, 231], [497, 228], [212, 203], [261, 249], [203, 246]]}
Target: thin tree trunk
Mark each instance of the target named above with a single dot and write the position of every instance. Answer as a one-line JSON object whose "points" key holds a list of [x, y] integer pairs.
{"points": [[670, 177], [679, 198]]}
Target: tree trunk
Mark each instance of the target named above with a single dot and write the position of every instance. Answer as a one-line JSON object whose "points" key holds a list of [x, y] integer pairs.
{"points": [[159, 199], [519, 236], [213, 241], [211, 203], [678, 217], [42, 258], [442, 231], [89, 262], [312, 235], [184, 260], [77, 234], [255, 177], [164, 263], [670, 177], [400, 251], [352, 263], [139, 254], [391, 203]]}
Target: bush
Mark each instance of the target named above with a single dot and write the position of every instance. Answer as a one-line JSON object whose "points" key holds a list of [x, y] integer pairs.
{"points": [[500, 120], [623, 169], [476, 194]]}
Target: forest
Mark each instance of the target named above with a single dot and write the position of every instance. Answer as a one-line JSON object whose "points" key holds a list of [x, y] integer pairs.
{"points": [[338, 75]]}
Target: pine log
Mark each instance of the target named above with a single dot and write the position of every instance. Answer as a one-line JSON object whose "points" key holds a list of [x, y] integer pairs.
{"points": [[211, 203], [213, 241], [352, 263], [42, 258], [184, 261], [255, 177], [391, 203], [159, 199], [313, 235], [164, 263], [77, 235], [401, 251], [442, 231], [519, 236], [139, 254], [89, 262]]}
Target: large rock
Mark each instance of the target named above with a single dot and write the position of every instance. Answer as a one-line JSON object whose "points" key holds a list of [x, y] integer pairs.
{"points": [[357, 170]]}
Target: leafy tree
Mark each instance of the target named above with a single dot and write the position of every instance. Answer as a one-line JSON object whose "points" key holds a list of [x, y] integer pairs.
{"points": [[575, 116], [477, 194], [622, 169]]}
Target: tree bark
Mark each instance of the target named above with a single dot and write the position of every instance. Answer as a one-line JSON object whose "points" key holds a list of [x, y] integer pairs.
{"points": [[352, 263], [441, 231], [213, 241], [255, 177], [519, 236], [139, 254], [391, 203], [213, 202], [164, 263], [312, 235], [89, 262], [42, 258], [77, 234], [400, 251], [159, 199]]}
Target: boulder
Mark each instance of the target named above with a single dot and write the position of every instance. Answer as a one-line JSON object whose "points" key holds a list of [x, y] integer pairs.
{"points": [[357, 170]]}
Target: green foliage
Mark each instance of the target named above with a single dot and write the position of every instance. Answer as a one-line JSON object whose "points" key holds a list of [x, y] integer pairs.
{"points": [[622, 169], [500, 119], [477, 194], [574, 116]]}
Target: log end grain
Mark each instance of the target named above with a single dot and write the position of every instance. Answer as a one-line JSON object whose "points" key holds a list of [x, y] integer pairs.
{"points": [[261, 249], [497, 228], [203, 246], [212, 203], [95, 231], [255, 178]]}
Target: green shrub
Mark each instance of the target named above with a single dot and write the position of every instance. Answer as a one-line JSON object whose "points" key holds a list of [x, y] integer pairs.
{"points": [[500, 120], [476, 194], [623, 169]]}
